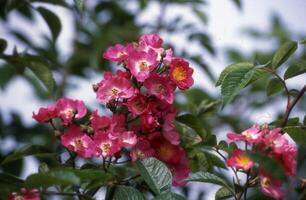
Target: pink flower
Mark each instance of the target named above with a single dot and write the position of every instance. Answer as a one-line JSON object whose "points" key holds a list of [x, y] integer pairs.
{"points": [[141, 64], [128, 139], [161, 87], [99, 123], [114, 87], [78, 142], [168, 130], [142, 149], [180, 172], [152, 40], [45, 114], [69, 109], [239, 160], [106, 146], [25, 194], [181, 73], [251, 135], [137, 105], [148, 122], [271, 186], [167, 57], [118, 53]]}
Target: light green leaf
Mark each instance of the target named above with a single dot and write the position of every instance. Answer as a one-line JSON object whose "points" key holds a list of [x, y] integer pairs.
{"points": [[127, 193], [235, 81], [232, 67], [156, 174], [52, 21], [295, 69], [297, 133], [207, 177], [283, 53], [41, 70], [169, 196], [52, 178], [29, 150], [274, 86], [223, 193]]}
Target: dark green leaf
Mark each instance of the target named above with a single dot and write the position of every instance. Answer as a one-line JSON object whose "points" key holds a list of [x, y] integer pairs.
{"points": [[156, 174], [207, 177], [29, 150], [283, 53], [274, 86], [223, 193], [9, 184], [232, 67], [52, 20], [235, 81], [215, 160], [127, 193], [269, 164], [192, 122], [53, 177], [297, 133], [295, 69], [169, 196], [3, 45]]}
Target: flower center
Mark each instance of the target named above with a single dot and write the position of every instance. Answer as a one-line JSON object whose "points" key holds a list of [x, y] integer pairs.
{"points": [[114, 91], [105, 148], [159, 88], [243, 160], [19, 198], [166, 152], [79, 143], [69, 112], [265, 182], [179, 74], [143, 66]]}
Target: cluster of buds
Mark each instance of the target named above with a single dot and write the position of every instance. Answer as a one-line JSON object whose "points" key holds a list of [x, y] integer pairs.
{"points": [[270, 142], [140, 97]]}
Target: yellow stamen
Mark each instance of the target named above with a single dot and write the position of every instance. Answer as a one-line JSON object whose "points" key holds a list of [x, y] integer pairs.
{"points": [[179, 73]]}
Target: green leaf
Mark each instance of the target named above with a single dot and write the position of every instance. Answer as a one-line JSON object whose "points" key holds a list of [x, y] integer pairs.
{"points": [[230, 68], [29, 150], [9, 184], [297, 133], [127, 193], [269, 164], [52, 20], [215, 160], [238, 3], [283, 53], [41, 70], [169, 196], [3, 45], [79, 4], [223, 193], [53, 177], [274, 86], [235, 81], [156, 174], [207, 177], [192, 122], [295, 69]]}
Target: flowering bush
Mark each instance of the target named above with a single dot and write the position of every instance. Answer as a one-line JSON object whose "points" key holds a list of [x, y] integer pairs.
{"points": [[136, 146]]}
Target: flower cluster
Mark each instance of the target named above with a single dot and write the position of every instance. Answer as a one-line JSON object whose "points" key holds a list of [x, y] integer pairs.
{"points": [[140, 97], [272, 143]]}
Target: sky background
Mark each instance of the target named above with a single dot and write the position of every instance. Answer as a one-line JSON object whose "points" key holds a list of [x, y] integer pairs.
{"points": [[225, 24]]}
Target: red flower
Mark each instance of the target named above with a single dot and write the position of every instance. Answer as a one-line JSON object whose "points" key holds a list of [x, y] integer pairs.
{"points": [[69, 109], [270, 186], [25, 194], [137, 105], [181, 73], [45, 114], [152, 40], [75, 140], [239, 160]]}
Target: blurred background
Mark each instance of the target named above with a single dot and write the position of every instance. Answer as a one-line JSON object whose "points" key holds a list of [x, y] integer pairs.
{"points": [[210, 34]]}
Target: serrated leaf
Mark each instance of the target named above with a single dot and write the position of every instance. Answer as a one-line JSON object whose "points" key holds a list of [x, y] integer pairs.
{"points": [[235, 81], [169, 196], [156, 174], [223, 193], [295, 69], [207, 177], [41, 70], [297, 133], [192, 122], [52, 21], [274, 86], [29, 150], [283, 53], [232, 67], [127, 193], [3, 45], [268, 164], [52, 178]]}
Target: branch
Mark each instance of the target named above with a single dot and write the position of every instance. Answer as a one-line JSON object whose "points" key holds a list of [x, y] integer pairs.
{"points": [[290, 106]]}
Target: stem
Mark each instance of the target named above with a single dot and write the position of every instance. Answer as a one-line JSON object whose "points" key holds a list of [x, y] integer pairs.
{"points": [[246, 185], [290, 106]]}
